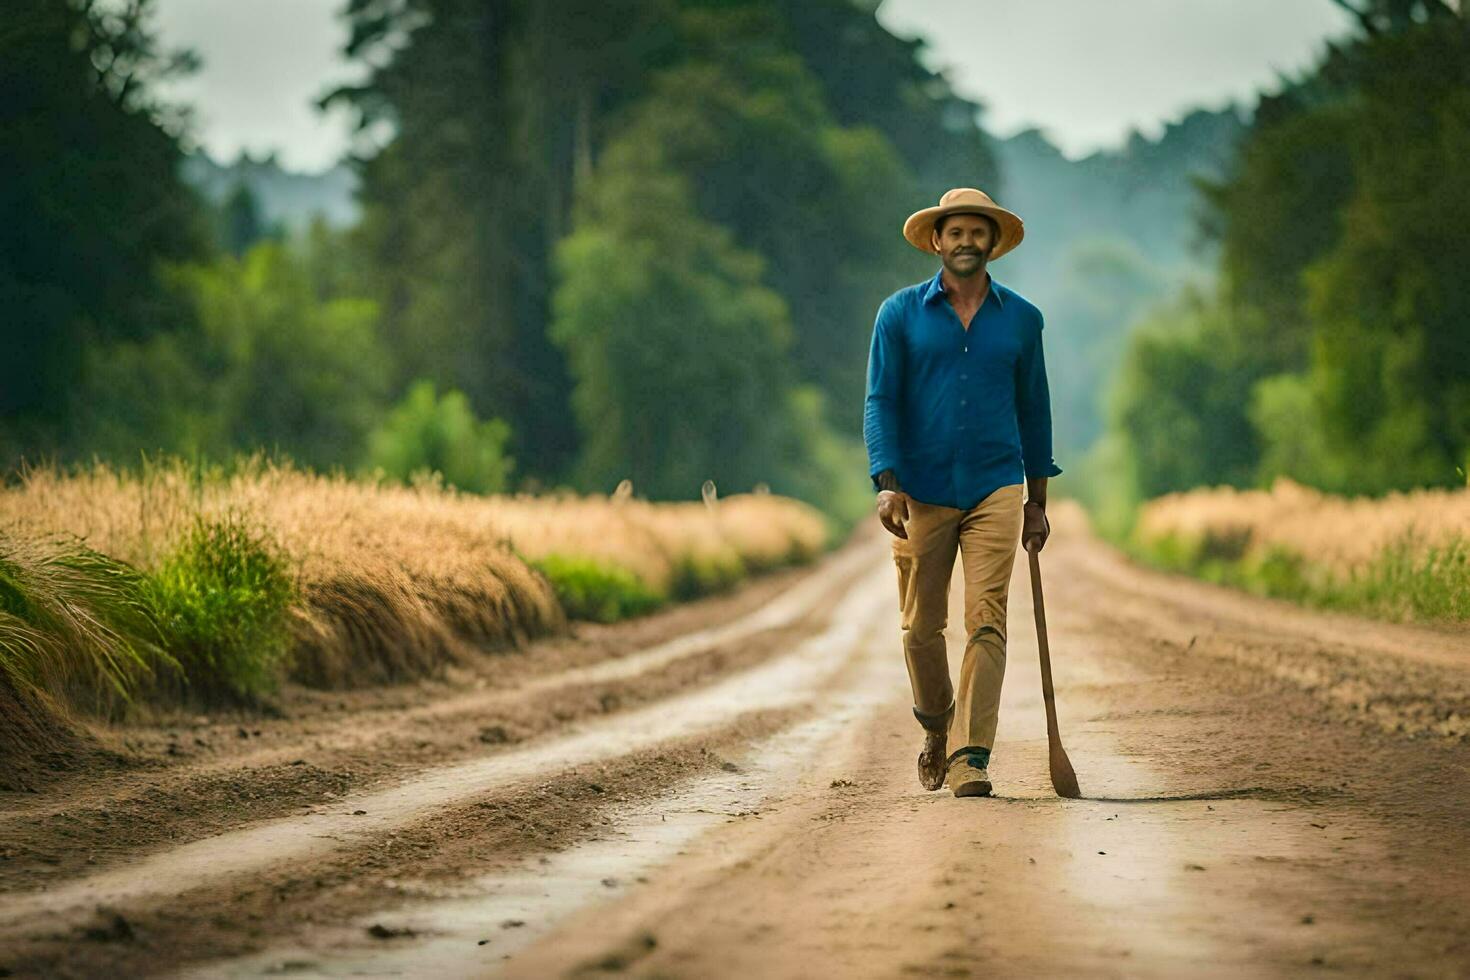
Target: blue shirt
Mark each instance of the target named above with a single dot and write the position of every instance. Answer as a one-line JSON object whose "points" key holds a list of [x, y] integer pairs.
{"points": [[957, 413]]}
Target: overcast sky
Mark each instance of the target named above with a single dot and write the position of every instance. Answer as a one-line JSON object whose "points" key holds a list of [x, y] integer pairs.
{"points": [[1087, 72]]}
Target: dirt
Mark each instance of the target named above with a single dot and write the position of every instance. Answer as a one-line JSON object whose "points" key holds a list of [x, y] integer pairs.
{"points": [[724, 790], [193, 776], [36, 741]]}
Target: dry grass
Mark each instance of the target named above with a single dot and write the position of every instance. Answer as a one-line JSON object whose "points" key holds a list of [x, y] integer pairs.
{"points": [[395, 581], [1403, 556], [659, 542], [1345, 534]]}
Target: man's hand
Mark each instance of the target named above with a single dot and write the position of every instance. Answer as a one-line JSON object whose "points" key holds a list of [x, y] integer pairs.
{"points": [[893, 510], [1035, 528]]}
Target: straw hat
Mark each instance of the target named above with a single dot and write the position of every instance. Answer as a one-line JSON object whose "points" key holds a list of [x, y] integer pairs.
{"points": [[919, 229]]}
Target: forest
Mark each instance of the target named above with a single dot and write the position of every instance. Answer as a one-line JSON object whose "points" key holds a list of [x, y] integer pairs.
{"points": [[645, 239]]}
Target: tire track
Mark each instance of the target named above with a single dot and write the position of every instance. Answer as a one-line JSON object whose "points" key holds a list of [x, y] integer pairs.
{"points": [[787, 681], [91, 827], [1403, 679], [535, 895]]}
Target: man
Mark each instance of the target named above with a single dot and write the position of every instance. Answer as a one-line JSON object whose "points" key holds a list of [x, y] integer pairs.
{"points": [[957, 412]]}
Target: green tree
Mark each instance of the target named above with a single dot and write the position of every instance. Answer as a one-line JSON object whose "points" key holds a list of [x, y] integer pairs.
{"points": [[1281, 208], [872, 79], [483, 121], [241, 223], [1278, 214], [1179, 403], [1379, 17], [1287, 417], [427, 433], [490, 109], [748, 127], [1104, 285], [89, 203], [264, 363], [1391, 317], [680, 352], [1340, 352]]}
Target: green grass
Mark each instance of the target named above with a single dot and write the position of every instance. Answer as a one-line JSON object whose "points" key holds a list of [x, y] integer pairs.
{"points": [[222, 601], [798, 553], [605, 593], [75, 623], [1400, 584], [694, 577], [589, 589]]}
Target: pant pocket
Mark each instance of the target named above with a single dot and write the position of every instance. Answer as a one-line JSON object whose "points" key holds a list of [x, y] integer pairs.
{"points": [[905, 563]]}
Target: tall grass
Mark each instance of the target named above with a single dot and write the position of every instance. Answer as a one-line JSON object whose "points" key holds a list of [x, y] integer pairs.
{"points": [[1405, 556], [1407, 582], [214, 584], [75, 622], [593, 590], [221, 600]]}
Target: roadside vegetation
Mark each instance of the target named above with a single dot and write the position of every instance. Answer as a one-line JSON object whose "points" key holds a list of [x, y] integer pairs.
{"points": [[182, 587], [1405, 556], [1329, 348]]}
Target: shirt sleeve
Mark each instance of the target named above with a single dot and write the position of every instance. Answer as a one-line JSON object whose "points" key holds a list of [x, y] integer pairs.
{"points": [[1033, 409], [885, 382]]}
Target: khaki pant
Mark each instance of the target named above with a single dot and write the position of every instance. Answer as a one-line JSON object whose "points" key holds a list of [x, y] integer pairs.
{"points": [[986, 537]]}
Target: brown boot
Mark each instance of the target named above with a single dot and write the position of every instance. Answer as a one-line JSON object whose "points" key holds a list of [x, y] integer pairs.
{"points": [[933, 762]]}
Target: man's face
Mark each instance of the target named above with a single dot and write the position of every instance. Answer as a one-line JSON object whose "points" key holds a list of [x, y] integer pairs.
{"points": [[964, 243]]}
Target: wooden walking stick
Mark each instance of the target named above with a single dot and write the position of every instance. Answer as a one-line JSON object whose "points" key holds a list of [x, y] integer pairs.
{"points": [[1063, 777]]}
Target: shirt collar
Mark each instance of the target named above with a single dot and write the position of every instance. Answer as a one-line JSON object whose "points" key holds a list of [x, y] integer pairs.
{"points": [[934, 289]]}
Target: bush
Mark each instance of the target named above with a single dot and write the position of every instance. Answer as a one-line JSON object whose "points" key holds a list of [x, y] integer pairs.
{"points": [[589, 589], [1179, 400], [1170, 552], [678, 350], [429, 433], [697, 575], [222, 601], [817, 464], [1281, 572]]}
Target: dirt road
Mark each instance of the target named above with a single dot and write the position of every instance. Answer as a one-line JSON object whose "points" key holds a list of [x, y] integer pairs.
{"points": [[728, 789]]}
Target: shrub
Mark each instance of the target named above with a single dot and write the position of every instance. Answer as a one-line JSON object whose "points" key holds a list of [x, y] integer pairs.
{"points": [[1280, 572], [590, 589], [427, 432], [1170, 551], [222, 600], [262, 361], [697, 575]]}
